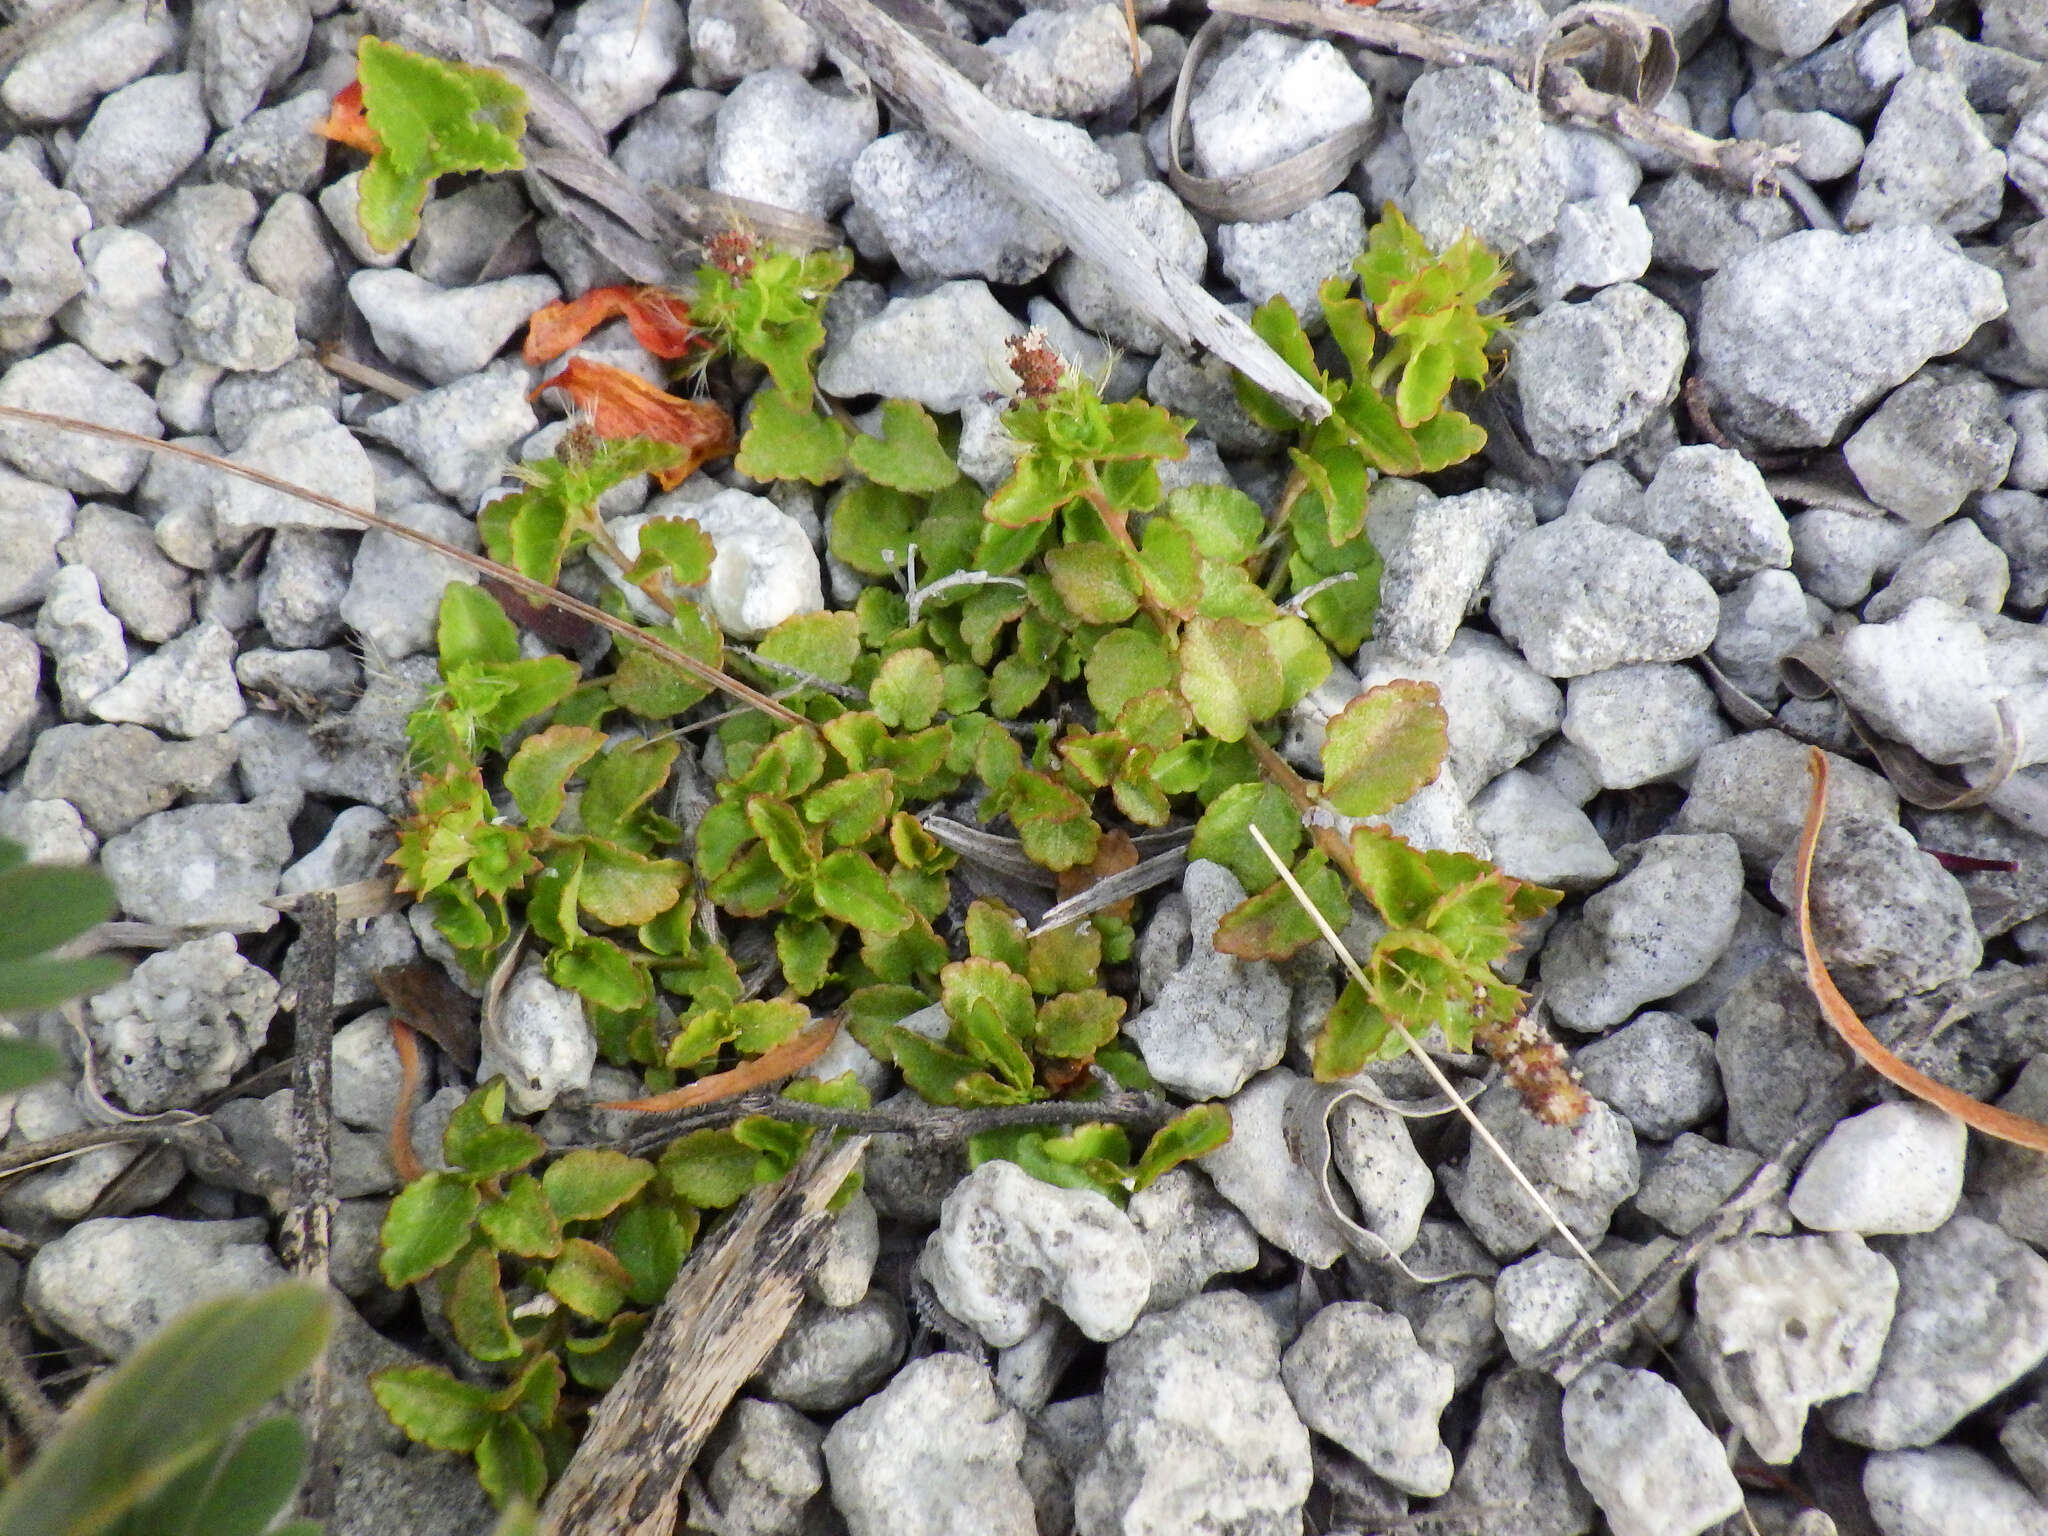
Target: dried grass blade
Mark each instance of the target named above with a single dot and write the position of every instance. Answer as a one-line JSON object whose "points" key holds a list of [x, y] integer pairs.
{"points": [[404, 1160], [1834, 1007], [786, 1060], [539, 591]]}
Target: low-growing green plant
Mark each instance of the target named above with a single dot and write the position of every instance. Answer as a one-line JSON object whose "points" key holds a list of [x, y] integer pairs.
{"points": [[161, 1445], [42, 908], [1081, 655]]}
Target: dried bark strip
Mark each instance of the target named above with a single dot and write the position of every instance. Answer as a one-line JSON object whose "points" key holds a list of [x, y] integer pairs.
{"points": [[954, 110], [726, 1311], [306, 1234]]}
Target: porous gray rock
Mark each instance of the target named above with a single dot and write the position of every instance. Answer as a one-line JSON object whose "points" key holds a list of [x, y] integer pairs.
{"points": [[1658, 1071], [764, 568], [117, 774], [1929, 162], [1585, 1171], [460, 436], [185, 688], [1438, 552], [1710, 508], [942, 349], [1219, 1019], [1936, 676], [616, 55], [443, 334], [1514, 1478], [781, 140], [1651, 1465], [941, 216], [1198, 1436], [2009, 1184], [1638, 724], [1888, 919], [71, 65], [1972, 1319], [1755, 787], [140, 140], [394, 591], [1538, 834], [202, 865], [1793, 28], [1763, 619], [1269, 97], [1698, 225], [1895, 1168], [123, 314], [21, 703], [1191, 1235], [1578, 596], [114, 1281], [1785, 1323], [1357, 1375], [732, 39], [234, 323], [242, 48], [1685, 1181], [1257, 1171], [1292, 257], [765, 1474], [1592, 375], [289, 255], [34, 519], [668, 143], [1655, 931], [1008, 1243], [1948, 1490], [539, 1040], [82, 640], [305, 576], [149, 595], [835, 1356], [933, 1453], [1480, 165], [1095, 302], [181, 1025], [1598, 241], [66, 380], [305, 446], [1939, 437], [1069, 62], [1794, 340], [1775, 1053], [275, 150]]}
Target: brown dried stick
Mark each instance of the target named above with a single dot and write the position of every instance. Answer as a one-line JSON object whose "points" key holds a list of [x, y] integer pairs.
{"points": [[726, 1311], [954, 110]]}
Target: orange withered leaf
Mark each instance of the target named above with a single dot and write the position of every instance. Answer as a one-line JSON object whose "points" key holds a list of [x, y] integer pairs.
{"points": [[345, 122], [622, 404], [660, 321]]}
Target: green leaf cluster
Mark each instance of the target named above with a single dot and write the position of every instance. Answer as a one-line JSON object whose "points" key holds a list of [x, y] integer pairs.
{"points": [[432, 118], [162, 1446]]}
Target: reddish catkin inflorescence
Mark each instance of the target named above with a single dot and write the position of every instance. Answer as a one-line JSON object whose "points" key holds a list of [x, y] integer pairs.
{"points": [[1535, 1066], [732, 252], [1036, 365]]}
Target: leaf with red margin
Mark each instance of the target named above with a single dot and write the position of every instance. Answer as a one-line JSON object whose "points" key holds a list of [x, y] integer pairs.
{"points": [[345, 122], [660, 321], [621, 404]]}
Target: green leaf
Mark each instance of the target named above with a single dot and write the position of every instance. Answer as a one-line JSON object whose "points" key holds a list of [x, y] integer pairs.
{"points": [[476, 1308], [1228, 592], [907, 690], [909, 455], [1091, 1157], [24, 1063], [1065, 959], [873, 527], [521, 1221], [783, 835], [651, 1241], [601, 973], [804, 947], [1172, 569], [1052, 822], [1195, 1132], [1124, 664], [1015, 684], [851, 887], [1038, 487], [996, 933], [145, 1422], [45, 905], [1093, 580], [240, 1492], [427, 1225], [1225, 523], [432, 1407], [1385, 745], [709, 1169], [1272, 925], [853, 809], [591, 1183], [588, 1280], [826, 645], [510, 1465], [624, 889], [677, 546], [27, 986], [472, 629], [1223, 834], [938, 1074], [1304, 659], [1075, 1025], [598, 1363], [539, 773], [1229, 676], [786, 440], [489, 1149], [761, 1024], [618, 789], [1355, 1035], [432, 118], [654, 689]]}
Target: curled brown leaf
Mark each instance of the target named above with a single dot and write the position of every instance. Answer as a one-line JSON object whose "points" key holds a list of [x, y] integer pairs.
{"points": [[1834, 1007], [786, 1060]]}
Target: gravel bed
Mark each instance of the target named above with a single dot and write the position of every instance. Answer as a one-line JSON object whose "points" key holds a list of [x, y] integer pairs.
{"points": [[1732, 428]]}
